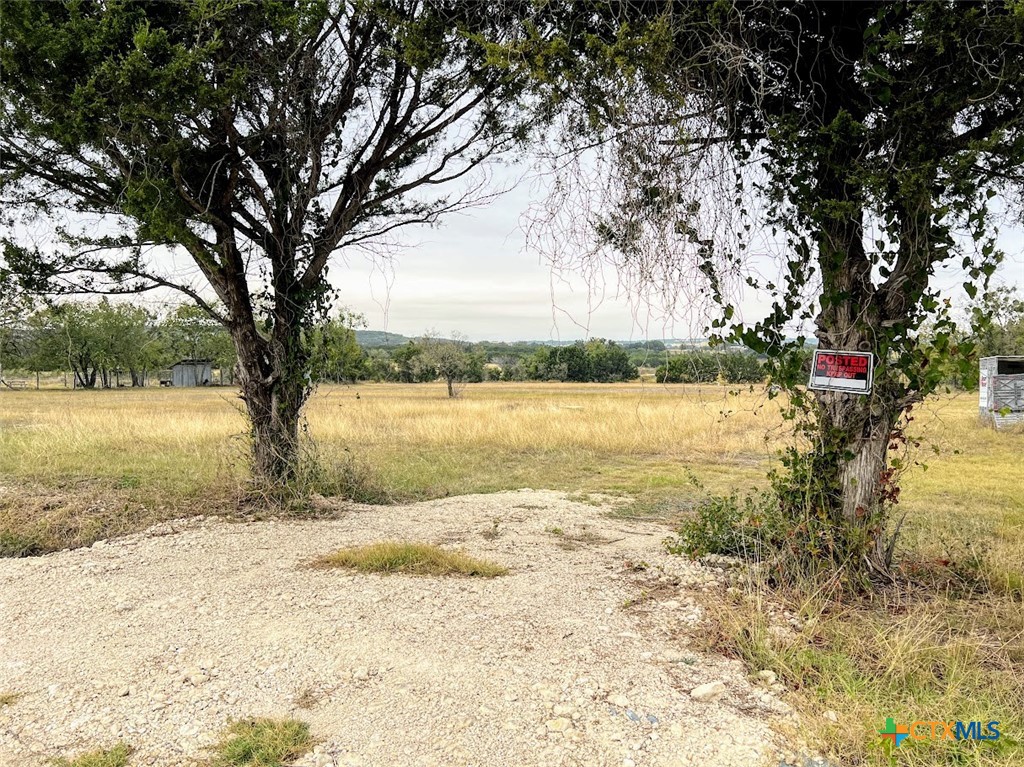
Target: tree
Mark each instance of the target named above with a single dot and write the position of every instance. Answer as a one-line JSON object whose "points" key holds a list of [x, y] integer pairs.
{"points": [[96, 342], [63, 337], [336, 354], [259, 138], [125, 339], [709, 367], [999, 317], [379, 366], [14, 306], [864, 135], [593, 361], [451, 360], [609, 362]]}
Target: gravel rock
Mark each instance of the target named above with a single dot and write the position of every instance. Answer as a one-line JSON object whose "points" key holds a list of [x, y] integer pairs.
{"points": [[708, 691], [222, 620], [560, 724]]}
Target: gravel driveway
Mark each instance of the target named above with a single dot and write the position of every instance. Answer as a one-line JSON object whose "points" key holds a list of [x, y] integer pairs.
{"points": [[574, 658]]}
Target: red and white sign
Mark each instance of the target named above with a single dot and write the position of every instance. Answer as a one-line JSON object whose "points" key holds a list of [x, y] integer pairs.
{"points": [[842, 371]]}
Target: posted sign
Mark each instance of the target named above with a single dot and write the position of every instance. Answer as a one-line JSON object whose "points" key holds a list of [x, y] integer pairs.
{"points": [[842, 371]]}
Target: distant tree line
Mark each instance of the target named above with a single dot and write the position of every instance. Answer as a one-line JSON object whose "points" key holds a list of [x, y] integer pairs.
{"points": [[733, 367], [456, 360], [107, 344]]}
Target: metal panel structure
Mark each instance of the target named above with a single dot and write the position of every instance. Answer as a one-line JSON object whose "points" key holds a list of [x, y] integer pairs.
{"points": [[191, 373], [1001, 391]]}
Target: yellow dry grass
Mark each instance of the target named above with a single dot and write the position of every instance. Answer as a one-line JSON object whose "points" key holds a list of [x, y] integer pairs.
{"points": [[181, 446], [169, 444]]}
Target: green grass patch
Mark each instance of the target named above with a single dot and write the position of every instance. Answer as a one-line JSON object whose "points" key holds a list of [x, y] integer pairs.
{"points": [[20, 543], [412, 558], [262, 743], [112, 757]]}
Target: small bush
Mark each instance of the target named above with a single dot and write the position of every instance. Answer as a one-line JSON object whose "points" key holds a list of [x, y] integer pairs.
{"points": [[114, 757], [793, 538], [710, 367], [749, 529], [262, 743], [8, 698], [413, 558]]}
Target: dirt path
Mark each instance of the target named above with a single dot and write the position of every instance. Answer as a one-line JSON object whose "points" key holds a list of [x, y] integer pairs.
{"points": [[159, 638]]}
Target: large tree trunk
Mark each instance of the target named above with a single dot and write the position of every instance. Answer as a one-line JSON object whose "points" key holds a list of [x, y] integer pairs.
{"points": [[85, 376], [272, 374], [274, 413], [855, 432]]}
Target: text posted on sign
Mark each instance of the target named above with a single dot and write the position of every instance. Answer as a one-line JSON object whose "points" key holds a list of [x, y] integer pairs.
{"points": [[842, 371]]}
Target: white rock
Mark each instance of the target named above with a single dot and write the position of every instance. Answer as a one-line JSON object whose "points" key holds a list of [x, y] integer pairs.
{"points": [[559, 724], [709, 691]]}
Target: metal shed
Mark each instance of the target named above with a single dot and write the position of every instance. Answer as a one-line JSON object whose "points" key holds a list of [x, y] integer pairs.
{"points": [[191, 373], [1001, 391]]}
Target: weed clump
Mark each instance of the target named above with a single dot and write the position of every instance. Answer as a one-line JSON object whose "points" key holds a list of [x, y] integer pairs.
{"points": [[262, 743], [412, 558], [113, 757], [20, 544], [791, 541]]}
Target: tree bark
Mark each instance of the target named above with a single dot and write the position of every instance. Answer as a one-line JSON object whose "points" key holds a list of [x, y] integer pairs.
{"points": [[856, 431], [272, 376], [274, 414]]}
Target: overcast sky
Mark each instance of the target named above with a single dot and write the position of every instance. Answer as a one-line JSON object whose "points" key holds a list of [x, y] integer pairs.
{"points": [[474, 275]]}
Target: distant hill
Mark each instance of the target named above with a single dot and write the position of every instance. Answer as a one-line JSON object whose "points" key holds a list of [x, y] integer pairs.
{"points": [[378, 338], [375, 339]]}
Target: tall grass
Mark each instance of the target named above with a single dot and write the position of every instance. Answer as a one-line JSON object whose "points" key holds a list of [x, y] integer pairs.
{"points": [[165, 445]]}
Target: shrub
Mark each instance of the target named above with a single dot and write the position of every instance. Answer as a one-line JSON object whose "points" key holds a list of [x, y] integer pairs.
{"points": [[709, 367], [791, 538]]}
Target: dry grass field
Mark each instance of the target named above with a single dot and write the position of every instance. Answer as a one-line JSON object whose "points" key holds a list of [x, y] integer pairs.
{"points": [[76, 466]]}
